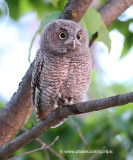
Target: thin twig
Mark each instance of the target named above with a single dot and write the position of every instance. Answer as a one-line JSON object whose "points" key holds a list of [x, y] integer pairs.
{"points": [[56, 139], [20, 101], [50, 149], [23, 154], [45, 150], [44, 146], [40, 142], [56, 154], [94, 156], [79, 132], [81, 136], [46, 154], [52, 119]]}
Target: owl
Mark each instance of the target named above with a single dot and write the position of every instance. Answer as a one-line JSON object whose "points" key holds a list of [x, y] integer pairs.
{"points": [[62, 70]]}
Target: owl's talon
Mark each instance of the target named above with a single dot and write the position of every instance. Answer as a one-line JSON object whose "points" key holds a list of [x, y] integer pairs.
{"points": [[65, 101], [71, 102], [68, 102], [55, 106]]}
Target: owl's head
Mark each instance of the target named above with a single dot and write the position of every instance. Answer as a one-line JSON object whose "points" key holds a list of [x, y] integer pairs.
{"points": [[62, 37]]}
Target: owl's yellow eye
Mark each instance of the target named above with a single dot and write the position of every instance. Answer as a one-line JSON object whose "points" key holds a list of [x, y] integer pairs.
{"points": [[79, 36], [62, 35]]}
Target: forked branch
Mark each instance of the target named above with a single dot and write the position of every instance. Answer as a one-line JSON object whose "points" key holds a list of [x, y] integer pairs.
{"points": [[13, 115], [52, 119]]}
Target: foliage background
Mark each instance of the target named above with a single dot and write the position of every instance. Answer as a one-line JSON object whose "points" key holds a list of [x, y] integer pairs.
{"points": [[110, 129]]}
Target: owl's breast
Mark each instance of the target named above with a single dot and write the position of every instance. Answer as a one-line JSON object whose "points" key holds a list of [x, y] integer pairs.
{"points": [[53, 77], [79, 77], [69, 76]]}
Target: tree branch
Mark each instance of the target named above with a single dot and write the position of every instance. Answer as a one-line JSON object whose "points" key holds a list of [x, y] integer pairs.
{"points": [[52, 119], [13, 115], [113, 9], [44, 146], [80, 133], [51, 150], [75, 9], [81, 136]]}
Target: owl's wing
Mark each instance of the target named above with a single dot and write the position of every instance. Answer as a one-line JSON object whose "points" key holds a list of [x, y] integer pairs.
{"points": [[35, 84]]}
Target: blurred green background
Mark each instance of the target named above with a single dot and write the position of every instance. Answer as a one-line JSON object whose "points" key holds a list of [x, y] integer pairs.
{"points": [[110, 129]]}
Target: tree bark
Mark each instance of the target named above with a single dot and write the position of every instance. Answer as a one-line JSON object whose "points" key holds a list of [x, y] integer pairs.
{"points": [[14, 114], [17, 110], [52, 119], [113, 9], [75, 9]]}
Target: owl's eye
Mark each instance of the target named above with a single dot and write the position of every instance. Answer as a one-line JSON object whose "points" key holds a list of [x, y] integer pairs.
{"points": [[62, 35], [79, 36]]}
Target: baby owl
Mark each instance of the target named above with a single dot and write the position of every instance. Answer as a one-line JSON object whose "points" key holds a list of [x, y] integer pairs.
{"points": [[62, 70]]}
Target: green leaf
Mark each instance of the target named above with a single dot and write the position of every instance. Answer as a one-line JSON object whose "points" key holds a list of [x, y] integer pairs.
{"points": [[93, 23], [24, 6], [31, 44], [2, 104], [28, 124], [47, 18], [61, 4], [103, 35], [55, 3], [14, 8], [128, 43], [123, 28]]}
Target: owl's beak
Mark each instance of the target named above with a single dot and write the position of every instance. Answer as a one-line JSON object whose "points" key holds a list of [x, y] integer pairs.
{"points": [[73, 44]]}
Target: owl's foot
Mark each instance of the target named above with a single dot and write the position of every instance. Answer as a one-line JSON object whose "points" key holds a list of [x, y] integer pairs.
{"points": [[56, 101], [70, 102], [59, 95], [55, 105], [67, 101], [61, 101]]}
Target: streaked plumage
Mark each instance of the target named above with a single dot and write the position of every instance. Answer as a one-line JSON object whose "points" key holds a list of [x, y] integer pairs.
{"points": [[62, 70]]}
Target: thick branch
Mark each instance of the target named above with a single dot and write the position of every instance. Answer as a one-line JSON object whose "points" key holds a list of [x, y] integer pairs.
{"points": [[44, 146], [13, 115], [75, 9], [113, 9], [62, 113]]}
